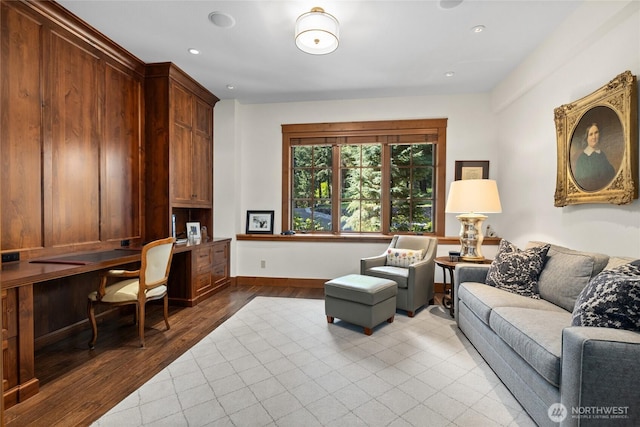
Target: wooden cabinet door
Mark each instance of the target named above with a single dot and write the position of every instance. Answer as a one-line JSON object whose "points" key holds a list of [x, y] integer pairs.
{"points": [[202, 154], [203, 143], [180, 169], [191, 150], [120, 191], [72, 153], [20, 131]]}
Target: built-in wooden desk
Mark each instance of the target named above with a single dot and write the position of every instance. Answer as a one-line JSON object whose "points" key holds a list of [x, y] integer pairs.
{"points": [[18, 334], [44, 300]]}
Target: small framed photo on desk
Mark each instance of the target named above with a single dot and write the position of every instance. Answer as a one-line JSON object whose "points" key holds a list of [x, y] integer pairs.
{"points": [[193, 233]]}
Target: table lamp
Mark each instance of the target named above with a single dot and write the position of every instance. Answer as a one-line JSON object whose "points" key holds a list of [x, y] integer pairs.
{"points": [[471, 198]]}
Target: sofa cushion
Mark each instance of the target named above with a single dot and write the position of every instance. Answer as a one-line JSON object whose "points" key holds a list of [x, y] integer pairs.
{"points": [[566, 272], [611, 299], [617, 261], [481, 299], [517, 271], [403, 257], [536, 335]]}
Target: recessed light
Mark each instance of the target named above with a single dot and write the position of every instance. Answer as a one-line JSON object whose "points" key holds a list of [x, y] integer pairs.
{"points": [[222, 20], [478, 28], [193, 51], [231, 87], [449, 74]]}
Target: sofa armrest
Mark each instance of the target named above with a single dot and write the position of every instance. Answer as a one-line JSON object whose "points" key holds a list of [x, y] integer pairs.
{"points": [[601, 370], [374, 261], [467, 272]]}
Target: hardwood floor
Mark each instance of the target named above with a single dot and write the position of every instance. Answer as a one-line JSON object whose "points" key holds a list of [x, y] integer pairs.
{"points": [[77, 386]]}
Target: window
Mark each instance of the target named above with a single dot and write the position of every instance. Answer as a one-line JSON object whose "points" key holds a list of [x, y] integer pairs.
{"points": [[364, 177]]}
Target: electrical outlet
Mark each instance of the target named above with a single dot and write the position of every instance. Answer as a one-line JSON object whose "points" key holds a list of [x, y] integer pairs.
{"points": [[124, 243], [11, 256], [263, 264]]}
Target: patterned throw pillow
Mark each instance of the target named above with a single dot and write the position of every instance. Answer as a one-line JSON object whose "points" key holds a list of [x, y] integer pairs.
{"points": [[517, 271], [611, 299], [403, 257]]}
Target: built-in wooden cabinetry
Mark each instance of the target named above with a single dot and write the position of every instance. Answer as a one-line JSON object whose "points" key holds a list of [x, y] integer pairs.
{"points": [[97, 149], [207, 265], [179, 175], [179, 144], [71, 176]]}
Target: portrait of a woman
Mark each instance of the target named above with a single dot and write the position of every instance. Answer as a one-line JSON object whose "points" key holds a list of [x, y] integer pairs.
{"points": [[593, 170], [596, 149]]}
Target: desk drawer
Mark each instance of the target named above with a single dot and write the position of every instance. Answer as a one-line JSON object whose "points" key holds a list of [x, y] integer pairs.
{"points": [[220, 253], [204, 258]]}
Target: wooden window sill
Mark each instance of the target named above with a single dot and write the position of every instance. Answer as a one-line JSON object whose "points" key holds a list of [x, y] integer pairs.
{"points": [[347, 238]]}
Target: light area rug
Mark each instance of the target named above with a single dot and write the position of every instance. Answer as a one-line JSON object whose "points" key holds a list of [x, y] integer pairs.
{"points": [[277, 362]]}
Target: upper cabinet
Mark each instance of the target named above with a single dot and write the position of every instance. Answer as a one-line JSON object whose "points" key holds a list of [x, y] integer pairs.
{"points": [[179, 151], [71, 134], [191, 148]]}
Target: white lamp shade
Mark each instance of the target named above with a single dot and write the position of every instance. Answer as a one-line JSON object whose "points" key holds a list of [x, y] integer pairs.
{"points": [[317, 32], [473, 195]]}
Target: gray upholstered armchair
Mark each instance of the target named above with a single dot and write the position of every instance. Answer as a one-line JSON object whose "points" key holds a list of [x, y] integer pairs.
{"points": [[411, 270]]}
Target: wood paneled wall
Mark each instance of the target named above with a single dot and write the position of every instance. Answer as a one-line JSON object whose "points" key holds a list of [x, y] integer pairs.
{"points": [[71, 134]]}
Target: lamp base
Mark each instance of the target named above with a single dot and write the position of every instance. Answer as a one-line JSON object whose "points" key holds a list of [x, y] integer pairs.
{"points": [[471, 236]]}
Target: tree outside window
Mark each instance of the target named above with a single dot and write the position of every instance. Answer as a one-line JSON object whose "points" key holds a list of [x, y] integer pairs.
{"points": [[364, 177]]}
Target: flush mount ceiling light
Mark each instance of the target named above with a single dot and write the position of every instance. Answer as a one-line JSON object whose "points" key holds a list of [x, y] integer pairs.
{"points": [[222, 20], [317, 32]]}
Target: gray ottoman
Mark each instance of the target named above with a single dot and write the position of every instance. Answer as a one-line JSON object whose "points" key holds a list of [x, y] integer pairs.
{"points": [[365, 301]]}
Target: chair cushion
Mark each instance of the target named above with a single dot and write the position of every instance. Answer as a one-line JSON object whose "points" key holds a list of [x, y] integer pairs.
{"points": [[517, 271], [611, 299], [403, 257], [126, 290], [566, 273], [397, 274]]}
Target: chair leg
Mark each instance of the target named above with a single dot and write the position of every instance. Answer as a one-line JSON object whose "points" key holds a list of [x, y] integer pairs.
{"points": [[94, 327], [166, 311], [140, 310]]}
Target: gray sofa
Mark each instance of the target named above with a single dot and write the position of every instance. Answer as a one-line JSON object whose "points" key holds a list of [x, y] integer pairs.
{"points": [[543, 360]]}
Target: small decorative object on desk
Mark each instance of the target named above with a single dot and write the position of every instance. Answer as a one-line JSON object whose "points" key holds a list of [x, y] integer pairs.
{"points": [[203, 234], [193, 233], [454, 256]]}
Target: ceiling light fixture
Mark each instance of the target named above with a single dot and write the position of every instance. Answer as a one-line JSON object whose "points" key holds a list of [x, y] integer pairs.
{"points": [[478, 28], [449, 74], [222, 20], [317, 32], [193, 51]]}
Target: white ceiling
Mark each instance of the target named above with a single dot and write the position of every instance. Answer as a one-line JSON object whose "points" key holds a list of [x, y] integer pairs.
{"points": [[387, 48]]}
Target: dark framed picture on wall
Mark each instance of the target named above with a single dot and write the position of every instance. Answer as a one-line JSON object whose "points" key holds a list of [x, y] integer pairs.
{"points": [[259, 222], [597, 140], [472, 169]]}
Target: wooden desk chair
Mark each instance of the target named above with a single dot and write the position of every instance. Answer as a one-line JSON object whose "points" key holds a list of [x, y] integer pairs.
{"points": [[136, 287]]}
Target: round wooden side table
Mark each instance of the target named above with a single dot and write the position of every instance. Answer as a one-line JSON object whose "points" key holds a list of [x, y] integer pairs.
{"points": [[450, 266]]}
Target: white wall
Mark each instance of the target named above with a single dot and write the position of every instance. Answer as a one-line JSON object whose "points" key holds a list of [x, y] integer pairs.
{"points": [[512, 127], [257, 143], [598, 42]]}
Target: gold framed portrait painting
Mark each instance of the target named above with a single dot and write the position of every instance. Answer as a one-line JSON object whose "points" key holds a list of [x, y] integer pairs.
{"points": [[598, 145]]}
